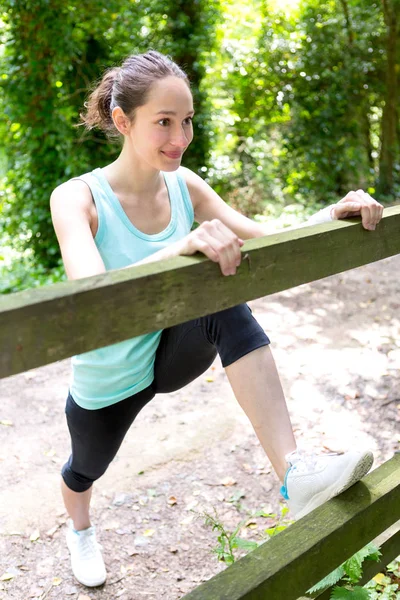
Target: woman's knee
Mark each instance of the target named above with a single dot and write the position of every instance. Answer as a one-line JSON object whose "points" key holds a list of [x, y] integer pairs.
{"points": [[80, 479], [235, 333]]}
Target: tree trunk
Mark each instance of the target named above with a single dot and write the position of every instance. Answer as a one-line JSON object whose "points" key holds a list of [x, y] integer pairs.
{"points": [[389, 117]]}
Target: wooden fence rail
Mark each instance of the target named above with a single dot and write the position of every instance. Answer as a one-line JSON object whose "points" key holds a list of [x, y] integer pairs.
{"points": [[43, 325], [285, 566]]}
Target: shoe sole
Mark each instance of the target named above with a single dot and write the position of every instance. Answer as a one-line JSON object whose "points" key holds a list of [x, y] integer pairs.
{"points": [[351, 476]]}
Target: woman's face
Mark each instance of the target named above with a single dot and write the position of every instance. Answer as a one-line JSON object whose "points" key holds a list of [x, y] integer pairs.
{"points": [[162, 128]]}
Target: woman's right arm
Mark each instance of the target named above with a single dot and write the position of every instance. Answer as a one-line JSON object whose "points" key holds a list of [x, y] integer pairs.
{"points": [[71, 206], [72, 213]]}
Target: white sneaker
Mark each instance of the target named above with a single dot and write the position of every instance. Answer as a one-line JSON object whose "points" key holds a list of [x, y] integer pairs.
{"points": [[86, 559], [312, 480]]}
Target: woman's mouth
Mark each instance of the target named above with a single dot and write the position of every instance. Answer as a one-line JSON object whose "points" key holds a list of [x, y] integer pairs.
{"points": [[172, 154]]}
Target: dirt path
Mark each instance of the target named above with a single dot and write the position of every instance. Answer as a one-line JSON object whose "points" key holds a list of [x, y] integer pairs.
{"points": [[337, 345]]}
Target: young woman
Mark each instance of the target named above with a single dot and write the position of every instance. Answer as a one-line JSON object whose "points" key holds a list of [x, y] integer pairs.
{"points": [[138, 209]]}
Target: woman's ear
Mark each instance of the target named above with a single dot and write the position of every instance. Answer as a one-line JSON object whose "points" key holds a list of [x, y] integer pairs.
{"points": [[121, 121]]}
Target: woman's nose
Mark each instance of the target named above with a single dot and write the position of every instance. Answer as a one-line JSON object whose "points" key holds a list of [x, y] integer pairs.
{"points": [[180, 139]]}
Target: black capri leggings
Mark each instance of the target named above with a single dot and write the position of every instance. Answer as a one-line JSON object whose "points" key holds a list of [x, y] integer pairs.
{"points": [[185, 352]]}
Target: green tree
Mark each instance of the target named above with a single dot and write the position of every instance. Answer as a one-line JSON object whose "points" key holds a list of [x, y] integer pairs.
{"points": [[52, 54], [389, 156]]}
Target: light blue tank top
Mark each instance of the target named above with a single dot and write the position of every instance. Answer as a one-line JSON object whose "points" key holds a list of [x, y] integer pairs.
{"points": [[108, 375]]}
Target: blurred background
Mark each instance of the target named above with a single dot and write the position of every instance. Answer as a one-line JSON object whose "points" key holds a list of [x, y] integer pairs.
{"points": [[296, 104]]}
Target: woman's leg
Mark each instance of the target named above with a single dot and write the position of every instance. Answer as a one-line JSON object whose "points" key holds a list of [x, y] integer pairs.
{"points": [[96, 436], [257, 387], [243, 348], [77, 505], [187, 350]]}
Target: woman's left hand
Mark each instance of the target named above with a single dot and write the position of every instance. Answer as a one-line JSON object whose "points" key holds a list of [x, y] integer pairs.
{"points": [[359, 203]]}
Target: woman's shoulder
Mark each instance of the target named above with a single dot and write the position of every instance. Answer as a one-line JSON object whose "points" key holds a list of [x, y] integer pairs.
{"points": [[198, 188], [74, 193]]}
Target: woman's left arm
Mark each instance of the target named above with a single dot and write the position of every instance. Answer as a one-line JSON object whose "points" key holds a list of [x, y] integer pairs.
{"points": [[208, 205]]}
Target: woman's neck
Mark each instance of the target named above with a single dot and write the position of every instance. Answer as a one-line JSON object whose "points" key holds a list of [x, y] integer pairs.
{"points": [[128, 177]]}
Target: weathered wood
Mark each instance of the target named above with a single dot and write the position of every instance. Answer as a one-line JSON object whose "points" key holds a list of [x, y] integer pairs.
{"points": [[390, 549], [287, 565], [43, 325]]}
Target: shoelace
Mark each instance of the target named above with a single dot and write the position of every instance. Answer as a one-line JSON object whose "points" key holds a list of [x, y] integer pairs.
{"points": [[299, 461], [304, 462], [88, 546]]}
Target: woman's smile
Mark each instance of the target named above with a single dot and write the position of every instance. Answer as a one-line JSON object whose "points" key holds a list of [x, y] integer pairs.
{"points": [[172, 154]]}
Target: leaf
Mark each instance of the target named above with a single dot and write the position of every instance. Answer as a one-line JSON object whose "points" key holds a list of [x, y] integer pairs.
{"points": [[6, 422], [357, 593], [266, 515], [6, 577], [328, 581], [210, 379], [228, 481], [243, 544], [380, 578], [271, 531], [373, 552], [172, 500], [35, 535], [284, 510], [149, 532], [353, 568], [52, 531], [57, 581]]}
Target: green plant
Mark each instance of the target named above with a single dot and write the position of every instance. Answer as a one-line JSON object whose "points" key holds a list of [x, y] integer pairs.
{"points": [[386, 587], [350, 573], [229, 541]]}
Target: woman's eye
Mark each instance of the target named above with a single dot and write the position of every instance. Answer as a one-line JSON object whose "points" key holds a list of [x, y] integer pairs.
{"points": [[163, 122], [188, 120]]}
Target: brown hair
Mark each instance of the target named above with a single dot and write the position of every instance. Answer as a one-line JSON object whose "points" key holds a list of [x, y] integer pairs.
{"points": [[128, 87]]}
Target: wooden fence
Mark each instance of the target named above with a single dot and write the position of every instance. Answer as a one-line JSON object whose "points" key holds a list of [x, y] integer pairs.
{"points": [[41, 326]]}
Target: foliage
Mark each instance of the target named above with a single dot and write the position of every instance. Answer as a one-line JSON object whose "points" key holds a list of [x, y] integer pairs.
{"points": [[355, 593], [303, 101], [296, 101], [51, 55], [350, 573], [229, 541]]}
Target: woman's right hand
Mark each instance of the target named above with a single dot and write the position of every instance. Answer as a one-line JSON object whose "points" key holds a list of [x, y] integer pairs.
{"points": [[217, 242]]}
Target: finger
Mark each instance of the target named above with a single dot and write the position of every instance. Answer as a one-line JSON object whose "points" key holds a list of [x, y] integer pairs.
{"points": [[343, 209], [366, 218], [233, 244], [376, 209], [203, 246], [230, 245], [216, 248]]}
